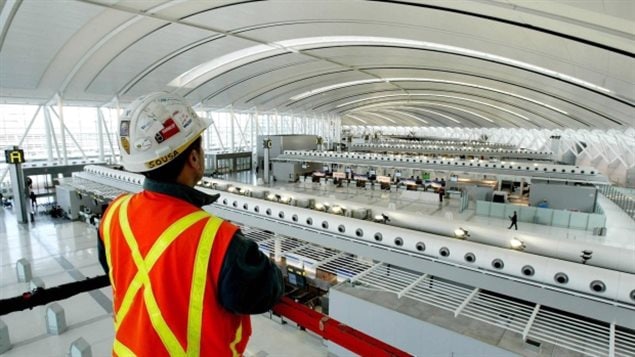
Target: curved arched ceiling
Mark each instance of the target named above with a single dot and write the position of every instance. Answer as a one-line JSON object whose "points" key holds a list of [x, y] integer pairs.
{"points": [[528, 64]]}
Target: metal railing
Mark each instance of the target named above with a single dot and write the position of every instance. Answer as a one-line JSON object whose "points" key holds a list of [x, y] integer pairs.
{"points": [[621, 196]]}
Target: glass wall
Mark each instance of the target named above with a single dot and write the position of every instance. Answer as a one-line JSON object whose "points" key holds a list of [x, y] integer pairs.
{"points": [[14, 120], [91, 131]]}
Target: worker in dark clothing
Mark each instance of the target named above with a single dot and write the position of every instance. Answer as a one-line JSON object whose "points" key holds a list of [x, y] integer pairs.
{"points": [[184, 281], [514, 219], [33, 198]]}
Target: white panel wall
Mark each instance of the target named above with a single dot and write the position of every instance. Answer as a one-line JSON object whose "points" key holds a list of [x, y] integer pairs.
{"points": [[407, 333]]}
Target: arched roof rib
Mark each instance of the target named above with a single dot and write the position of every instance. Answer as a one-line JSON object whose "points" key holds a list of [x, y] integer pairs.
{"points": [[515, 63], [518, 110], [623, 50]]}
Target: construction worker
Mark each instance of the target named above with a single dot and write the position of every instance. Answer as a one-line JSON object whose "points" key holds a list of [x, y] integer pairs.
{"points": [[184, 281]]}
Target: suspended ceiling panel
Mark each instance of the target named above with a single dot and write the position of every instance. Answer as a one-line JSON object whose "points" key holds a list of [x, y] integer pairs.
{"points": [[38, 31], [268, 83], [134, 59], [77, 48], [529, 64]]}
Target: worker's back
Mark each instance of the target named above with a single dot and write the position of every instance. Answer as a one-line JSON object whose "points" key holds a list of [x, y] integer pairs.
{"points": [[166, 315]]}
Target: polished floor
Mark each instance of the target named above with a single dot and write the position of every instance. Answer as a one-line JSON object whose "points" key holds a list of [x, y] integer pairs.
{"points": [[62, 251]]}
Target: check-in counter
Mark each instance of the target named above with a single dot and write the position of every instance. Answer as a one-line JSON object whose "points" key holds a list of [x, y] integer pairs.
{"points": [[409, 184], [317, 176], [384, 182], [360, 180]]}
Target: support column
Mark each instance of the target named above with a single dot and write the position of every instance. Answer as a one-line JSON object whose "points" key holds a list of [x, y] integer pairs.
{"points": [[267, 146], [50, 134], [102, 124], [522, 186], [254, 139], [60, 103], [233, 122], [100, 135]]}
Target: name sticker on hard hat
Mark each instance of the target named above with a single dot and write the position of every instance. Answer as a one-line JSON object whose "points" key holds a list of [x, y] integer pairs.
{"points": [[169, 129], [143, 144], [183, 117]]}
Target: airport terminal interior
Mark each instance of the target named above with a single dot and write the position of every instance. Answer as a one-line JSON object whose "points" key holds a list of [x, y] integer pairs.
{"points": [[432, 178]]}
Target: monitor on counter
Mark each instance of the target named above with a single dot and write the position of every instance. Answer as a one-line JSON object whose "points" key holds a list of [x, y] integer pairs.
{"points": [[296, 279]]}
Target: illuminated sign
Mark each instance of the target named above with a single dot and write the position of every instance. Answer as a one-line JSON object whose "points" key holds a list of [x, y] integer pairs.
{"points": [[14, 156]]}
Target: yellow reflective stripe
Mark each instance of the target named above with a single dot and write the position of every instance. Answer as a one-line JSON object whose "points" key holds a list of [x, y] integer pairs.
{"points": [[237, 338], [158, 322], [165, 239], [121, 350], [199, 281], [107, 220]]}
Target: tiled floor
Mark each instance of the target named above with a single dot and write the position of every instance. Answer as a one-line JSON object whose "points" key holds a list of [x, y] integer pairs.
{"points": [[61, 251]]}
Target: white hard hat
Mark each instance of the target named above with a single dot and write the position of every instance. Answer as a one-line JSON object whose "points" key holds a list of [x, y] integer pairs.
{"points": [[155, 129]]}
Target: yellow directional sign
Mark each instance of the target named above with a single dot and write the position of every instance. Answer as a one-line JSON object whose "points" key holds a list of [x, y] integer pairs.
{"points": [[14, 156]]}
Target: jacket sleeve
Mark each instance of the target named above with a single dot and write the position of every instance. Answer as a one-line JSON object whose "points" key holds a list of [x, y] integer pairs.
{"points": [[249, 282], [101, 253]]}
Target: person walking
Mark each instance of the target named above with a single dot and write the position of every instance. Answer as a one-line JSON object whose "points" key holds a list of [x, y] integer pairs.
{"points": [[514, 223], [184, 281], [33, 198], [441, 194]]}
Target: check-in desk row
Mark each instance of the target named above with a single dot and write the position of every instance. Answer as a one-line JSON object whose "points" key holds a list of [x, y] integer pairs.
{"points": [[381, 182], [454, 150], [444, 143], [520, 169]]}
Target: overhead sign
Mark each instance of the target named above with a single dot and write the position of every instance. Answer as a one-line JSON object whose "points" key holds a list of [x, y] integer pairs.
{"points": [[14, 156]]}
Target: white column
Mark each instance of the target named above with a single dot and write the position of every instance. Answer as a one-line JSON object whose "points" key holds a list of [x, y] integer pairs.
{"points": [[49, 132], [60, 104], [100, 135], [102, 122], [231, 131]]}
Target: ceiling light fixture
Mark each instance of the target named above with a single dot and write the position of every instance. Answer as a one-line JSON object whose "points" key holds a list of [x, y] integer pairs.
{"points": [[426, 103], [517, 244], [332, 87], [311, 42], [381, 116], [415, 79], [437, 95], [210, 69], [461, 233], [405, 114], [356, 118], [432, 112]]}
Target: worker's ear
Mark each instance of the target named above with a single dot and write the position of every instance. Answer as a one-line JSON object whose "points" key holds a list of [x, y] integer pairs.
{"points": [[195, 158]]}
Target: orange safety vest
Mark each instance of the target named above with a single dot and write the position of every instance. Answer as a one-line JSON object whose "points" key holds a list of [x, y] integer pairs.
{"points": [[165, 257]]}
